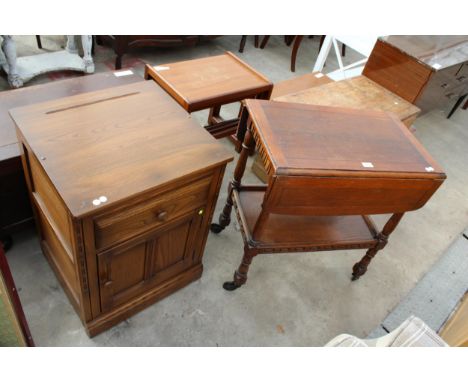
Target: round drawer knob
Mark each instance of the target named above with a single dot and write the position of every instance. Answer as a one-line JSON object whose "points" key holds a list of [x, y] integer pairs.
{"points": [[162, 216]]}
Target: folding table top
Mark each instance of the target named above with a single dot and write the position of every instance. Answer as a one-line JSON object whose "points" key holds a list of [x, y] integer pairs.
{"points": [[306, 139]]}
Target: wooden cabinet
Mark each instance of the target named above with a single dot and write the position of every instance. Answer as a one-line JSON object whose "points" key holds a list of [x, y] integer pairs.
{"points": [[428, 71], [124, 186]]}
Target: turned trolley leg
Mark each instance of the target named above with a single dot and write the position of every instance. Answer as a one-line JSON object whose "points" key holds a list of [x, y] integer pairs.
{"points": [[225, 216], [361, 267], [240, 276]]}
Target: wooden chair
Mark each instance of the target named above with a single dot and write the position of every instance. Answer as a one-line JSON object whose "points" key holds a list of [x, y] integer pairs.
{"points": [[296, 42], [243, 41]]}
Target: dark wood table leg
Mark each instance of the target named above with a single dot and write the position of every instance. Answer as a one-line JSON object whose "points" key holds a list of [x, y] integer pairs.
{"points": [[256, 41], [225, 216], [214, 115], [238, 137], [361, 267], [457, 104], [240, 275], [297, 43], [39, 42], [242, 43], [264, 42]]}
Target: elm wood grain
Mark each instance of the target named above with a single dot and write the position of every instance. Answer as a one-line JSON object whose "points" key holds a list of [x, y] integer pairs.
{"points": [[328, 169], [16, 210], [160, 174], [211, 82], [429, 71]]}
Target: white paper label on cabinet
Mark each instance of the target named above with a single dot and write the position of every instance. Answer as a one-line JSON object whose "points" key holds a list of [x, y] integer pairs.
{"points": [[100, 200], [367, 164], [436, 66], [319, 75], [160, 68], [429, 169], [123, 73]]}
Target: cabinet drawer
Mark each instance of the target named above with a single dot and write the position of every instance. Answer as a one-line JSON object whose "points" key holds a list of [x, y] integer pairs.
{"points": [[125, 223]]}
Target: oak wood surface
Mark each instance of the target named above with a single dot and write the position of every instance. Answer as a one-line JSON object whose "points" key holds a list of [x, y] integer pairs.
{"points": [[282, 230], [357, 92], [299, 83], [303, 139], [206, 82], [396, 71]]}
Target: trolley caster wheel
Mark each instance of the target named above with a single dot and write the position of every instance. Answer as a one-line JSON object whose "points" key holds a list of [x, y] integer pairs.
{"points": [[216, 228], [230, 286]]}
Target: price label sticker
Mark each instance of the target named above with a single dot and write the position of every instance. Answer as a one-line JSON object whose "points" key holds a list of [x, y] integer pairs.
{"points": [[160, 68], [123, 73], [367, 164], [429, 169]]}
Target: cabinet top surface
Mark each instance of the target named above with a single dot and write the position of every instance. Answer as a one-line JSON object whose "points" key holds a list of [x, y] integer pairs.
{"points": [[39, 93], [438, 52], [357, 92], [115, 143], [209, 78], [321, 140]]}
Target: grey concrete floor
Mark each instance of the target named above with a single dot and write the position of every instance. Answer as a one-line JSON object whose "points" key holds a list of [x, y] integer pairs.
{"points": [[301, 299]]}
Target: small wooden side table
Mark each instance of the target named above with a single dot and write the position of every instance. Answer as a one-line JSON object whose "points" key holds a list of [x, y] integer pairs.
{"points": [[329, 168], [210, 83]]}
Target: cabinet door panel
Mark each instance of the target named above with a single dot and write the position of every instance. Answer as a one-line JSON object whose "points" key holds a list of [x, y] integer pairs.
{"points": [[171, 248], [127, 271]]}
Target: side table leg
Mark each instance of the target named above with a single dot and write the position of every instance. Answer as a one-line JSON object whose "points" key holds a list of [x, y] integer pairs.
{"points": [[225, 216], [240, 276], [214, 113], [361, 267]]}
